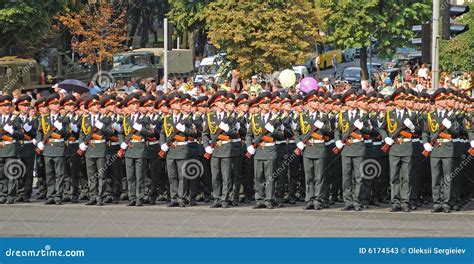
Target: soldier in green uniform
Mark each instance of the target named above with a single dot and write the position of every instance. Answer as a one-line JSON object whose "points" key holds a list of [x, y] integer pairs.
{"points": [[441, 127], [53, 130], [334, 169], [353, 150], [163, 182], [245, 107], [95, 129], [205, 182], [296, 175], [401, 150], [73, 161], [11, 132], [261, 144], [26, 147], [135, 129], [40, 105], [174, 138], [217, 129], [114, 169], [314, 150]]}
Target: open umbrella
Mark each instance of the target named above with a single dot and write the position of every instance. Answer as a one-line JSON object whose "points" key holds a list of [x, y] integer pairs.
{"points": [[73, 86]]}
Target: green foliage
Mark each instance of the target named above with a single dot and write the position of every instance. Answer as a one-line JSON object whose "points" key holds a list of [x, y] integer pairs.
{"points": [[264, 36], [24, 23], [353, 22], [186, 15], [458, 54]]}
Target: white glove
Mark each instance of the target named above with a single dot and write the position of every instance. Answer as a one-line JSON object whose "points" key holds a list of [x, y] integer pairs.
{"points": [[237, 125], [300, 145], [472, 143], [389, 141], [8, 128], [137, 127], [34, 141], [123, 146], [339, 144], [117, 127], [224, 126], [82, 147], [358, 124], [407, 122], [247, 125], [74, 127], [251, 150], [318, 124], [428, 147], [27, 127], [180, 127], [99, 124], [446, 123], [269, 127], [165, 147], [209, 149], [41, 145], [293, 124], [58, 125]]}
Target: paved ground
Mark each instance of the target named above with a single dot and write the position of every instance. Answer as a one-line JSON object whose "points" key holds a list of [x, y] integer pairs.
{"points": [[36, 219]]}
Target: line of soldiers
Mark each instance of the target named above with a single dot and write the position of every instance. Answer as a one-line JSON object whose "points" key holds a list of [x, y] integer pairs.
{"points": [[273, 148]]}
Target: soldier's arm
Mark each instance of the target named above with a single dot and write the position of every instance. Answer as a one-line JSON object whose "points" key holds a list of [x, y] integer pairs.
{"points": [[382, 129], [64, 132], [39, 131], [206, 136], [81, 132], [107, 129], [17, 129], [426, 133], [162, 133], [146, 129], [249, 137]]}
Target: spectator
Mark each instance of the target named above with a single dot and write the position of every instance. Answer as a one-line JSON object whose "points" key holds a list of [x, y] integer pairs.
{"points": [[255, 87], [225, 86], [387, 88], [93, 89], [327, 85], [423, 72], [334, 64], [317, 62]]}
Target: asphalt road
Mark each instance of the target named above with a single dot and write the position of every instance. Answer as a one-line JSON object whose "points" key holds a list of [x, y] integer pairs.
{"points": [[78, 220]]}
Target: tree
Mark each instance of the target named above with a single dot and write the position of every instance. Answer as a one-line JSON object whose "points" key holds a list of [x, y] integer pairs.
{"points": [[354, 22], [264, 36], [101, 30], [23, 24], [457, 54], [189, 17]]}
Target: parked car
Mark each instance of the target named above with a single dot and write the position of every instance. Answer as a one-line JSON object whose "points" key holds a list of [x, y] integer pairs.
{"points": [[351, 75], [301, 71]]}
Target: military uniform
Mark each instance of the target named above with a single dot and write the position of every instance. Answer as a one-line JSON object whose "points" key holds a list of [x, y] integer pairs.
{"points": [[441, 154], [53, 130]]}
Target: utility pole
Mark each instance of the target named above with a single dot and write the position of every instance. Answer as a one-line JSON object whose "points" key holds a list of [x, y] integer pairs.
{"points": [[435, 46], [165, 54]]}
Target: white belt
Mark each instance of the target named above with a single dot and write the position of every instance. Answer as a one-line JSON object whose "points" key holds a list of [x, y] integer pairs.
{"points": [[114, 143], [264, 144], [279, 142], [356, 140], [27, 141], [464, 140], [443, 140], [98, 141], [180, 143], [138, 141], [56, 140], [416, 140], [192, 141], [368, 141], [73, 142], [329, 142], [456, 140], [9, 142], [236, 140], [406, 140], [377, 143], [316, 141], [151, 143], [291, 141]]}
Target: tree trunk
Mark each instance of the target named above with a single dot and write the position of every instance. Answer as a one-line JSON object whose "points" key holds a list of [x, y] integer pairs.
{"points": [[192, 44], [363, 64]]}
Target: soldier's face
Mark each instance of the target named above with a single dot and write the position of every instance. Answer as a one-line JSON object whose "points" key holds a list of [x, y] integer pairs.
{"points": [[450, 103], [351, 104], [5, 109], [23, 109], [409, 104], [54, 107], [265, 106], [133, 108], [220, 105], [286, 106], [186, 108], [94, 108]]}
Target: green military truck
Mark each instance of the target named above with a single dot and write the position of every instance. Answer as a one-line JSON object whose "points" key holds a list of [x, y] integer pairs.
{"points": [[25, 74], [148, 63]]}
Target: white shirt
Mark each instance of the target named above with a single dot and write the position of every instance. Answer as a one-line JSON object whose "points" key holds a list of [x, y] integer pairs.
{"points": [[352, 114]]}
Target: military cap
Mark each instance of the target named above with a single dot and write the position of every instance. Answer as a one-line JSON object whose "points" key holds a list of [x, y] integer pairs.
{"points": [[230, 98], [361, 95], [92, 100], [132, 98], [264, 97], [371, 97], [186, 99], [107, 100], [201, 101], [439, 94], [285, 98], [242, 99], [336, 99], [23, 100], [398, 94], [6, 100], [275, 99], [52, 99], [160, 101], [311, 96], [296, 100], [41, 102], [68, 100], [253, 102], [349, 96], [219, 96], [147, 100]]}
